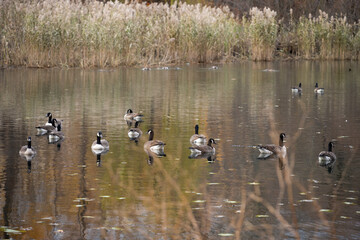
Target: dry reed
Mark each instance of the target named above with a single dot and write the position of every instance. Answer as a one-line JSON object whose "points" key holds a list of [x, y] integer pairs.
{"points": [[95, 34]]}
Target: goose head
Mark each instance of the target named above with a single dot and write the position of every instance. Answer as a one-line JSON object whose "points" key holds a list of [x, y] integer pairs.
{"points": [[211, 140]]}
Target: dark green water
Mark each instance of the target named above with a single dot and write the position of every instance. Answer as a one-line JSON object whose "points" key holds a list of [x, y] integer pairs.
{"points": [[67, 193]]}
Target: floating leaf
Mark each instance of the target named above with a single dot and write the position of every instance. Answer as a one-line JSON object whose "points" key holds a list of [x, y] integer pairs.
{"points": [[358, 212], [262, 216], [219, 216], [212, 173], [302, 193], [214, 183], [88, 217], [105, 196], [116, 228], [122, 198], [343, 136], [226, 234], [325, 210], [80, 205], [82, 166], [72, 174], [8, 230], [229, 201], [199, 208], [253, 183], [344, 217], [199, 201], [46, 218], [306, 200], [349, 203], [238, 211]]}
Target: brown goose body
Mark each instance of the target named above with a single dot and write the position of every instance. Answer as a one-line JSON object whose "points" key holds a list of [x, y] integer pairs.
{"points": [[155, 146], [197, 139], [130, 115], [327, 158], [204, 148], [270, 149]]}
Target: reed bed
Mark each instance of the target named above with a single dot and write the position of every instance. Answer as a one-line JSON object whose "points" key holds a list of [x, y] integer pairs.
{"points": [[95, 34]]}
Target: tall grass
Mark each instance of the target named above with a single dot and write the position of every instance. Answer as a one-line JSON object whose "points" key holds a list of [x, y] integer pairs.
{"points": [[95, 34]]}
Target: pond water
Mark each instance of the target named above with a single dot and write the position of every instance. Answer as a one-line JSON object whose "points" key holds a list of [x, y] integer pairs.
{"points": [[67, 192]]}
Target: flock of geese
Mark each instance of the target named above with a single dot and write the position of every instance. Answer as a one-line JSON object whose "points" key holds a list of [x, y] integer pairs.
{"points": [[200, 146]]}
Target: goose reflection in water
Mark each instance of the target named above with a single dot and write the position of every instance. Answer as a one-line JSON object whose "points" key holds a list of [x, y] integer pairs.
{"points": [[211, 157], [28, 159], [98, 156]]}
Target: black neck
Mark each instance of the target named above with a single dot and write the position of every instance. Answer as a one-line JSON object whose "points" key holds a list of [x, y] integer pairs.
{"points": [[281, 141], [151, 135], [136, 124], [98, 140], [29, 144], [50, 118], [196, 129], [59, 127], [209, 142], [330, 147]]}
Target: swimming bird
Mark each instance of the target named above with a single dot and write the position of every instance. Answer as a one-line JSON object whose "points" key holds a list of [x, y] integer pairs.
{"points": [[269, 149], [155, 146], [197, 138], [100, 145], [27, 150], [135, 132], [130, 115], [327, 158], [296, 89], [317, 89], [41, 130], [56, 135], [197, 150]]}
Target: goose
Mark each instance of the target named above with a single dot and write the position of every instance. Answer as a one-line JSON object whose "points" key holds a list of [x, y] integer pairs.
{"points": [[27, 150], [296, 89], [197, 138], [155, 146], [269, 149], [49, 122], [197, 150], [41, 130], [317, 89], [327, 158], [135, 132], [130, 115], [100, 145], [56, 135]]}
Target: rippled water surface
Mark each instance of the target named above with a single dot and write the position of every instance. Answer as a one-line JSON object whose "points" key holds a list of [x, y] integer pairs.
{"points": [[67, 192]]}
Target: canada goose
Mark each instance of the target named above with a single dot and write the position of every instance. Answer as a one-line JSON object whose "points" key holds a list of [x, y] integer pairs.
{"points": [[327, 158], [155, 146], [296, 89], [197, 138], [269, 149], [135, 132], [317, 89], [100, 145], [27, 150], [41, 130], [56, 135], [49, 122], [130, 115], [195, 149]]}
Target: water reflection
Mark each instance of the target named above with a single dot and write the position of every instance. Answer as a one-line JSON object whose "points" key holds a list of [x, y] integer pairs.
{"points": [[67, 196]]}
